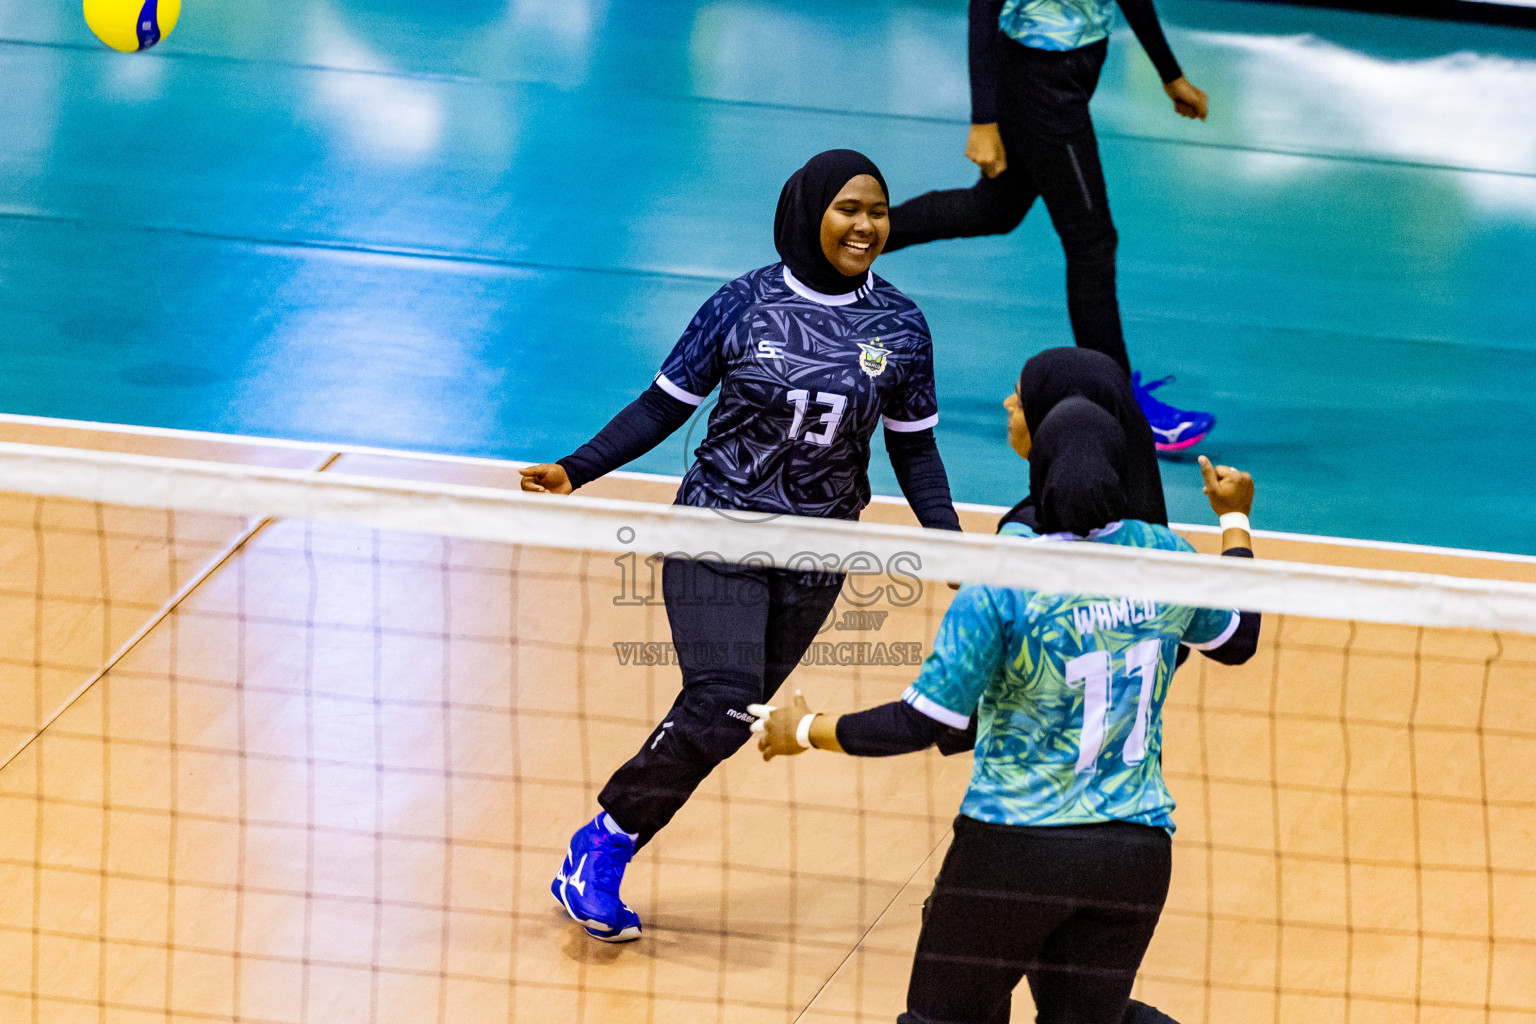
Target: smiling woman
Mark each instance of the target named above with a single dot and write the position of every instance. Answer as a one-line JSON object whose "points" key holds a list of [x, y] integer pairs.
{"points": [[856, 225], [833, 220], [810, 355]]}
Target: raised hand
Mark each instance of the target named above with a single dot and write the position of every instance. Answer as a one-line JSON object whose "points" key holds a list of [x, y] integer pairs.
{"points": [[1229, 490], [546, 477], [1187, 100]]}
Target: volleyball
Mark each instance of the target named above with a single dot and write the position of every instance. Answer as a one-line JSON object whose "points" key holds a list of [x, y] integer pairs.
{"points": [[130, 25]]}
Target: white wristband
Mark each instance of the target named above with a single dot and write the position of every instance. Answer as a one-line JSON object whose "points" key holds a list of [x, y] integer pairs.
{"points": [[1234, 521], [803, 730]]}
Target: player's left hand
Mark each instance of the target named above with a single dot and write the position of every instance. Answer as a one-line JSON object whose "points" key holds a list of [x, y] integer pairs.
{"points": [[1228, 489], [546, 478], [777, 727], [1187, 100]]}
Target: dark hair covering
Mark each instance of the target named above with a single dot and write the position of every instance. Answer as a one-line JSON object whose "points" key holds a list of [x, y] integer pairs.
{"points": [[802, 204], [1058, 374], [1077, 469]]}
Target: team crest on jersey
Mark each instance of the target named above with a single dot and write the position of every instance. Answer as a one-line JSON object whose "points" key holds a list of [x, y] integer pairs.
{"points": [[872, 358]]}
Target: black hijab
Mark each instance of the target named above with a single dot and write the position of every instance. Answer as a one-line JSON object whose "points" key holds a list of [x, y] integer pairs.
{"points": [[1077, 468], [802, 204], [1058, 374]]}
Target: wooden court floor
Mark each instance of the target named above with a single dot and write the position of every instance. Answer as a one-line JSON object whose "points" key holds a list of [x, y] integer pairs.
{"points": [[303, 773]]}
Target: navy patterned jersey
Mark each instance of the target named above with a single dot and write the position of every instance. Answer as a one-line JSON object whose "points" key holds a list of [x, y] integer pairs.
{"points": [[804, 380]]}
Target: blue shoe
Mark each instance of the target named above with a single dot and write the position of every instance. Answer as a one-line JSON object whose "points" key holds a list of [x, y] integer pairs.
{"points": [[1173, 430], [587, 886]]}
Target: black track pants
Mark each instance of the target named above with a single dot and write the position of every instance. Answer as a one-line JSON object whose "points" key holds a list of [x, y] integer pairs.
{"points": [[739, 632], [1071, 908], [1042, 115]]}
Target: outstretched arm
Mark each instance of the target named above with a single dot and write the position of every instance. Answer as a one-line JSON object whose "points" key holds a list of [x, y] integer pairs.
{"points": [[689, 374], [883, 731], [967, 658], [639, 427]]}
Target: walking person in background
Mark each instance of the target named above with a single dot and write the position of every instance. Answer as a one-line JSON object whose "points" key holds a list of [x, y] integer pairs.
{"points": [[1034, 66]]}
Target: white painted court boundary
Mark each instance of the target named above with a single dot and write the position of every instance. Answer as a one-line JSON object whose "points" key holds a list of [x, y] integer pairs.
{"points": [[491, 514]]}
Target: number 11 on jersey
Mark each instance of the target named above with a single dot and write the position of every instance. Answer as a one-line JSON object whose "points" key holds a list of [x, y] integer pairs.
{"points": [[1092, 672]]}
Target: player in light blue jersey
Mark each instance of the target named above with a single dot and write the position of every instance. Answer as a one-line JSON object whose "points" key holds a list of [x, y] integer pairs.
{"points": [[1061, 856]]}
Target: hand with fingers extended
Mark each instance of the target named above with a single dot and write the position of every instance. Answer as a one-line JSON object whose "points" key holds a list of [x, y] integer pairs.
{"points": [[1229, 490], [783, 731], [546, 478]]}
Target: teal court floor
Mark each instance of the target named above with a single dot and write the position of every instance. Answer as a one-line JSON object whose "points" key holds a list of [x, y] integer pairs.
{"points": [[476, 226]]}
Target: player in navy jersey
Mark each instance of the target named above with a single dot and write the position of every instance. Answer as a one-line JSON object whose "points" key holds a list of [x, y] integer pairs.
{"points": [[1061, 856], [810, 355]]}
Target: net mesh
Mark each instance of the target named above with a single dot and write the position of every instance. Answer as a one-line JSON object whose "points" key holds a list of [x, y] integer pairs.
{"points": [[307, 770]]}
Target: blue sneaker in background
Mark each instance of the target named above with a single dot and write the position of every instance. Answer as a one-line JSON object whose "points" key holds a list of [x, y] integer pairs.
{"points": [[587, 886], [1173, 430]]}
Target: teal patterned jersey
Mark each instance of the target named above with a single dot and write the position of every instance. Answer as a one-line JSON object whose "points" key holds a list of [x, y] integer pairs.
{"points": [[1056, 24], [1068, 691]]}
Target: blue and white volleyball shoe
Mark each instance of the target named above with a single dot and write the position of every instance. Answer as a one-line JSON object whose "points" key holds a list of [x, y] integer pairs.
{"points": [[587, 886], [1173, 430]]}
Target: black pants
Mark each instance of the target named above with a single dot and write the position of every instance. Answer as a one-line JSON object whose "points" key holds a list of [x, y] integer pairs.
{"points": [[1071, 908], [739, 632], [1042, 115]]}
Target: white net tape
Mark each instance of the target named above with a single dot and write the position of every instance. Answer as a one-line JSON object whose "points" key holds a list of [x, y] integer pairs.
{"points": [[575, 522]]}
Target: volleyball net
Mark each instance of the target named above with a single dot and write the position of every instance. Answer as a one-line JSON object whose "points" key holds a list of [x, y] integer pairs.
{"points": [[262, 726]]}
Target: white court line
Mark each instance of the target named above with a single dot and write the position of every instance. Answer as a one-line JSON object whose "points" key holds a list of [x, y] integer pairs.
{"points": [[269, 442], [880, 499]]}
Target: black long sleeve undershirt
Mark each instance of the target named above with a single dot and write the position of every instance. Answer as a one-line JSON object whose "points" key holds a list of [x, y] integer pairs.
{"points": [[1242, 644], [640, 426], [1142, 17], [986, 40], [985, 44], [920, 472], [887, 730]]}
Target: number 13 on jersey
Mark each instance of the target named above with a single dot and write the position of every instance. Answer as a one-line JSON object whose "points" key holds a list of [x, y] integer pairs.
{"points": [[835, 404], [1092, 673]]}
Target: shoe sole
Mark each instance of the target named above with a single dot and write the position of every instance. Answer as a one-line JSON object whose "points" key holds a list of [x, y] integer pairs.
{"points": [[627, 935], [1179, 446], [597, 929]]}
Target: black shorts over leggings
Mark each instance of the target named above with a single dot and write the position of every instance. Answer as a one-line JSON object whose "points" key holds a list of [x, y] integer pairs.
{"points": [[1072, 908]]}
